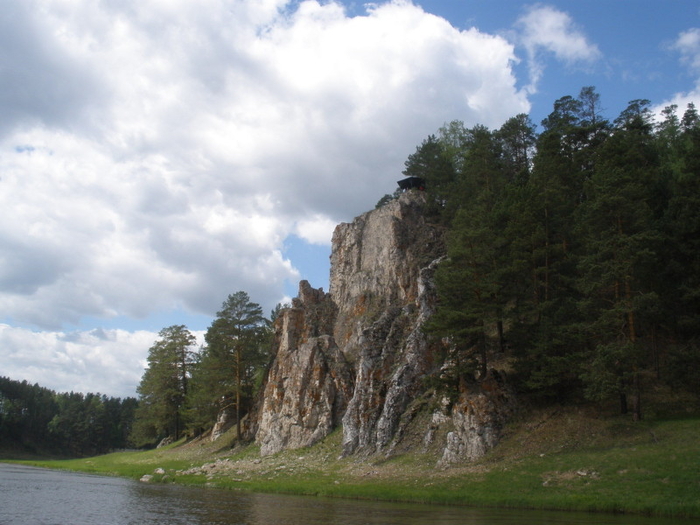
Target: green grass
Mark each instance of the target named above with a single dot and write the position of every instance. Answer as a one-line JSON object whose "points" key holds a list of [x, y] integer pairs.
{"points": [[569, 461], [126, 464]]}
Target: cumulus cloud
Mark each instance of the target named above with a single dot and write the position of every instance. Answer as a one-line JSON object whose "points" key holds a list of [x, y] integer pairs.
{"points": [[546, 29], [315, 229], [688, 46], [40, 82], [164, 151], [105, 361], [155, 156]]}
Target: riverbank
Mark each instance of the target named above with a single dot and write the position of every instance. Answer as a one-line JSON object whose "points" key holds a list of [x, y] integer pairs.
{"points": [[555, 458]]}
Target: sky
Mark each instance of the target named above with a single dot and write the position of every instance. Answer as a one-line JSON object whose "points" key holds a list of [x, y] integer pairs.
{"points": [[159, 155]]}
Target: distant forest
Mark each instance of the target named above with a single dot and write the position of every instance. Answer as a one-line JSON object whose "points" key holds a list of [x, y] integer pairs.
{"points": [[36, 420], [573, 257]]}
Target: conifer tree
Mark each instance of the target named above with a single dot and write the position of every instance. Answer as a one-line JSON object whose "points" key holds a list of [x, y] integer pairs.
{"points": [[549, 343], [620, 236], [682, 224], [585, 257], [164, 386], [517, 140], [431, 163], [472, 280], [235, 353]]}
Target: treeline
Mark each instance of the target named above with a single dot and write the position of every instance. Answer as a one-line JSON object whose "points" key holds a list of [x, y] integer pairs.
{"points": [[185, 389], [575, 251], [34, 419]]}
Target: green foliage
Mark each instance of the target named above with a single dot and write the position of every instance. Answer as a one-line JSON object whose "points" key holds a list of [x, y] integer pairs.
{"points": [[386, 199], [36, 420], [681, 226], [275, 313], [680, 365], [576, 250], [517, 141], [182, 389], [164, 386], [227, 371], [431, 162]]}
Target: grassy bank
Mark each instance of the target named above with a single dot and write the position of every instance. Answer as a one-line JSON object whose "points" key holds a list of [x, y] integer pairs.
{"points": [[571, 459]]}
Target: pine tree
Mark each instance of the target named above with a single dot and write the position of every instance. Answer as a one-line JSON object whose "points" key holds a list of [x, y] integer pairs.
{"points": [[517, 141], [235, 352], [682, 224], [431, 163], [548, 338], [620, 235], [472, 281], [164, 386]]}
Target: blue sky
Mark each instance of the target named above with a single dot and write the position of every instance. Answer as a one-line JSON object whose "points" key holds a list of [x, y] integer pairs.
{"points": [[157, 156], [638, 58]]}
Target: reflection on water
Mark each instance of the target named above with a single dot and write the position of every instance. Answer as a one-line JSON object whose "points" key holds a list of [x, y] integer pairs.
{"points": [[32, 496]]}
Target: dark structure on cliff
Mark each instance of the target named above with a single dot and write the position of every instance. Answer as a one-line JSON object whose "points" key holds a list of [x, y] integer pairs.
{"points": [[411, 183]]}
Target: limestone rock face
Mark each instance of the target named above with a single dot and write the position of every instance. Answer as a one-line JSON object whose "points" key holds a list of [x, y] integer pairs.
{"points": [[393, 357], [478, 418], [358, 354], [223, 423], [309, 383], [375, 265], [381, 279]]}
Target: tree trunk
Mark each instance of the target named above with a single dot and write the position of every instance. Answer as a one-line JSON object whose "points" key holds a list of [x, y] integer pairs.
{"points": [[622, 393], [623, 402], [501, 340], [636, 397], [636, 388], [483, 354], [238, 393]]}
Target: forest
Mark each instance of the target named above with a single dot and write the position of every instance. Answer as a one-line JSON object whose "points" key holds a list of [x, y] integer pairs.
{"points": [[36, 420], [573, 255], [574, 252]]}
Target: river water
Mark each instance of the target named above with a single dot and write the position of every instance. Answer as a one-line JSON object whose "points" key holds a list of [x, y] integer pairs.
{"points": [[34, 496]]}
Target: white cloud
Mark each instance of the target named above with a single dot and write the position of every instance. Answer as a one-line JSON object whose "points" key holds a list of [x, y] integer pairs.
{"points": [[688, 45], [106, 361], [316, 230], [155, 156], [216, 130], [681, 100], [544, 28]]}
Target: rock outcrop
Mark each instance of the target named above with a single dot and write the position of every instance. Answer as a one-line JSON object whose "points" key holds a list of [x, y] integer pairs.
{"points": [[375, 264], [358, 354], [309, 383], [477, 419]]}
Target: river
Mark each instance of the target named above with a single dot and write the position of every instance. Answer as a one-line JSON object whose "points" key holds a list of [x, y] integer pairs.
{"points": [[34, 496]]}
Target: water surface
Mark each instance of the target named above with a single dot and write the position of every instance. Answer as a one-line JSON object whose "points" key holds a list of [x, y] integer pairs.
{"points": [[34, 496]]}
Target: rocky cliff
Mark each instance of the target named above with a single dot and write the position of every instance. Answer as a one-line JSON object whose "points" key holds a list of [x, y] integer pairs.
{"points": [[310, 382], [357, 356]]}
